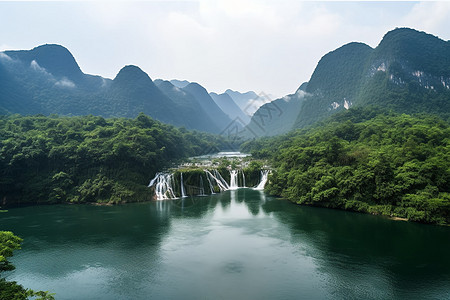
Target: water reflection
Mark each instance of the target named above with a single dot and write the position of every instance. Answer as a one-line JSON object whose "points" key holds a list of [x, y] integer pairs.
{"points": [[236, 244], [378, 257]]}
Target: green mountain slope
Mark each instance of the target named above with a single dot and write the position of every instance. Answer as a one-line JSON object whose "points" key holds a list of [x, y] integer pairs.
{"points": [[47, 80], [220, 119], [189, 107], [408, 72]]}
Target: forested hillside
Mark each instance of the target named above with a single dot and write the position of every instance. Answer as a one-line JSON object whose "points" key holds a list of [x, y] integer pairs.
{"points": [[47, 160], [366, 160], [408, 72]]}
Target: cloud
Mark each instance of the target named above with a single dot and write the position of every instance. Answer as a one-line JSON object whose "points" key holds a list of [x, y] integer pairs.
{"points": [[36, 67], [65, 83], [5, 57], [432, 17]]}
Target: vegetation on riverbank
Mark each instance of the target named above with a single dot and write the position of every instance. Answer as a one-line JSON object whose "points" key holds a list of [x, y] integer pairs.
{"points": [[365, 160], [46, 160], [11, 289]]}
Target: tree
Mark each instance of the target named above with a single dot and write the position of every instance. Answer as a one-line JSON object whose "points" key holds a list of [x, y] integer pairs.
{"points": [[11, 289]]}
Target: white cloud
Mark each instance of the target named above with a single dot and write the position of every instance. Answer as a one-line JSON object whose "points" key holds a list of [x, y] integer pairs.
{"points": [[36, 67], [65, 83], [5, 57]]}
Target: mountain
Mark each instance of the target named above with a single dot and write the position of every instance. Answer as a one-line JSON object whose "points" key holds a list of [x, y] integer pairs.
{"points": [[47, 80], [332, 84], [408, 72], [275, 117], [132, 91], [190, 107], [55, 59], [228, 106], [207, 103], [248, 102], [179, 83]]}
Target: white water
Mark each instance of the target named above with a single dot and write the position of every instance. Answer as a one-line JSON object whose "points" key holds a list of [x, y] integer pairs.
{"points": [[222, 187], [163, 186], [202, 189], [222, 181], [210, 183], [233, 179], [262, 183], [164, 190], [183, 191]]}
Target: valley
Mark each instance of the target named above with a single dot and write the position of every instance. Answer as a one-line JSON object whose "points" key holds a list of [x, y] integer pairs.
{"points": [[137, 188]]}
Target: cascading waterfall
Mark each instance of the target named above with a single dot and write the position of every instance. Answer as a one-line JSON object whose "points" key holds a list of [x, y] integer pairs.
{"points": [[262, 183], [210, 183], [183, 191], [233, 179], [217, 178], [202, 189], [220, 183], [224, 183], [163, 186]]}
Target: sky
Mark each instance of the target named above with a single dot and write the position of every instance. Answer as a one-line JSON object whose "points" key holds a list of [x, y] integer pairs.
{"points": [[264, 46]]}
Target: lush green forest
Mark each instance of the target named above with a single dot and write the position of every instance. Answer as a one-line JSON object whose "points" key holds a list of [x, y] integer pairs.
{"points": [[365, 160], [45, 160]]}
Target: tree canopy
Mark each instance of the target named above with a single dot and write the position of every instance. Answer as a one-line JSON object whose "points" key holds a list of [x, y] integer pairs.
{"points": [[89, 159], [361, 160], [10, 289]]}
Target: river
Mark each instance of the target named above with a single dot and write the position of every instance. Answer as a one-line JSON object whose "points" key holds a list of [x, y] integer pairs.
{"points": [[239, 244]]}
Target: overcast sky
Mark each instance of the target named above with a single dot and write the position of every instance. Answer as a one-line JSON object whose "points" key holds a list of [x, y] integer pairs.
{"points": [[270, 46]]}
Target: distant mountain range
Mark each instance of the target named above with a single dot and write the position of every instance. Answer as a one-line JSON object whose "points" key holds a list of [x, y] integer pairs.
{"points": [[47, 80], [229, 106], [408, 72]]}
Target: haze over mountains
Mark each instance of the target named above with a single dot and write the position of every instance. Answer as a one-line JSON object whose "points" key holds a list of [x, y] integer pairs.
{"points": [[409, 71]]}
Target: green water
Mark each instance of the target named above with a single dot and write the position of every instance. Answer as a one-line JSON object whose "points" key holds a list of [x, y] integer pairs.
{"points": [[236, 245]]}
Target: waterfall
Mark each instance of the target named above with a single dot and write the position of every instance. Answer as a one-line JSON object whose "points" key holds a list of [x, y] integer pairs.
{"points": [[220, 182], [183, 191], [163, 186], [209, 181], [164, 183], [233, 179], [202, 189], [262, 183], [220, 178]]}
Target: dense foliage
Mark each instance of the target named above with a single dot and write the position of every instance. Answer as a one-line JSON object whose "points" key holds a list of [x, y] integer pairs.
{"points": [[88, 159], [390, 164], [10, 289]]}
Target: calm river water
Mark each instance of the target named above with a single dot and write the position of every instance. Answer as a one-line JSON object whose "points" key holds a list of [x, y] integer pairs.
{"points": [[235, 245]]}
